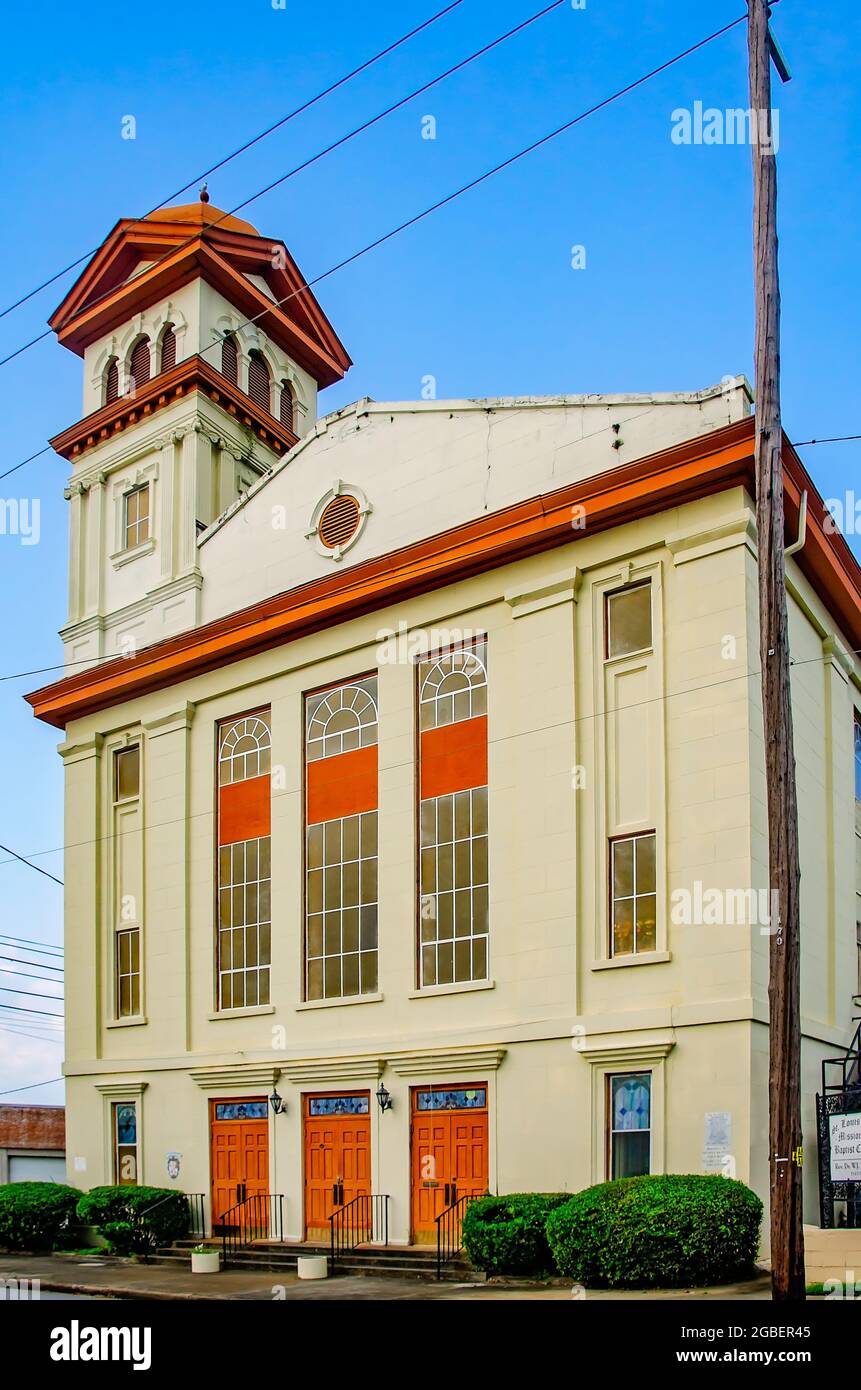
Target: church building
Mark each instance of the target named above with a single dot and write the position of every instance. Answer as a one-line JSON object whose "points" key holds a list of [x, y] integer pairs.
{"points": [[414, 772]]}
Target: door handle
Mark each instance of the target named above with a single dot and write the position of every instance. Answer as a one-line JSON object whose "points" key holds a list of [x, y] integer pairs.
{"points": [[453, 1193], [445, 1197]]}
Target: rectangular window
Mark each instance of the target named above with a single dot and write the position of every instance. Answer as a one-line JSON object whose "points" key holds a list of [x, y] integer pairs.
{"points": [[127, 773], [453, 927], [127, 935], [124, 1119], [136, 516], [244, 877], [128, 983], [341, 853], [857, 756], [628, 621], [629, 1101], [633, 889]]}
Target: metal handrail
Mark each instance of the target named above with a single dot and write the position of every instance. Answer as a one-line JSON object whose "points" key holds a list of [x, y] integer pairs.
{"points": [[194, 1207], [849, 1064], [365, 1219], [449, 1231], [258, 1217]]}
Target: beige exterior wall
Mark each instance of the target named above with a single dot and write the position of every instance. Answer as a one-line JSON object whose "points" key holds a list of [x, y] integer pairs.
{"points": [[580, 749]]}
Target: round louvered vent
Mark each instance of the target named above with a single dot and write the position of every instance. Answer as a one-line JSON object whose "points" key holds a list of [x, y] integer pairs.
{"points": [[340, 521]]}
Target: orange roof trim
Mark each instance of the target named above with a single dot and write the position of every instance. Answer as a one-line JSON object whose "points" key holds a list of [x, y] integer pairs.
{"points": [[697, 468]]}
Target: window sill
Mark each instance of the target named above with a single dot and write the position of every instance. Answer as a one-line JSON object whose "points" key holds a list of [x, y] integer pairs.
{"points": [[644, 958], [459, 987], [252, 1012], [125, 557], [340, 1002], [136, 1021]]}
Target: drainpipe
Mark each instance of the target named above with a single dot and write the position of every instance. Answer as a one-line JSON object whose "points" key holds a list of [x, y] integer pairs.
{"points": [[802, 528]]}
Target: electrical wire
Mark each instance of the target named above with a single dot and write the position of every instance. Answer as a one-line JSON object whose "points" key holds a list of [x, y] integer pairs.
{"points": [[247, 145]]}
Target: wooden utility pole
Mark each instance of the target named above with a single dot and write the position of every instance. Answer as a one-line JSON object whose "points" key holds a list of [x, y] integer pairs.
{"points": [[784, 1073]]}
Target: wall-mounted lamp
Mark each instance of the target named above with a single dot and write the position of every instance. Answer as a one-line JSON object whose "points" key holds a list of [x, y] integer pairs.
{"points": [[279, 1106], [383, 1097]]}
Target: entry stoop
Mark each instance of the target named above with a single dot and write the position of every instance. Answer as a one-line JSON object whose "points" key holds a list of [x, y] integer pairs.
{"points": [[398, 1261]]}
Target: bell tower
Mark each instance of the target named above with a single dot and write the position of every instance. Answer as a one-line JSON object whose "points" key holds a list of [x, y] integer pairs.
{"points": [[203, 353]]}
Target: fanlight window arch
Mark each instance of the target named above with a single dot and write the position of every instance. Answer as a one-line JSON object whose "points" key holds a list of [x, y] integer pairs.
{"points": [[453, 686], [244, 749], [340, 721]]}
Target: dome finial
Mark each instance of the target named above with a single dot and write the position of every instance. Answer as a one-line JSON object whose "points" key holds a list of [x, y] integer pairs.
{"points": [[204, 196]]}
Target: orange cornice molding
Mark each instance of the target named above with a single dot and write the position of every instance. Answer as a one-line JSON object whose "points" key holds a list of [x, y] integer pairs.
{"points": [[697, 468], [104, 296], [193, 374]]}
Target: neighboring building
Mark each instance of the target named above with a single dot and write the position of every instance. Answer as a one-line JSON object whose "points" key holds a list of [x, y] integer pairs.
{"points": [[430, 761], [32, 1143]]}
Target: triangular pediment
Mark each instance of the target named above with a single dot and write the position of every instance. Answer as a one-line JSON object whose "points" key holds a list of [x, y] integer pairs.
{"points": [[143, 260]]}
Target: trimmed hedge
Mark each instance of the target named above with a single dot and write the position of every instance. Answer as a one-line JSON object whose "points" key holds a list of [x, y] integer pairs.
{"points": [[134, 1220], [657, 1232], [33, 1215], [506, 1235]]}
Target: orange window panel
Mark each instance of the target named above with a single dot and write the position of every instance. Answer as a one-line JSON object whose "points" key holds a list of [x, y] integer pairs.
{"points": [[454, 757], [343, 785], [244, 810]]}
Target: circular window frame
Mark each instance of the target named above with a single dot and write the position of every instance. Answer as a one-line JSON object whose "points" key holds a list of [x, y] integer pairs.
{"points": [[338, 489]]}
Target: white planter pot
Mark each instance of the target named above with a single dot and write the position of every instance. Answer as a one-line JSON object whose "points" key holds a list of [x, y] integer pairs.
{"points": [[208, 1263], [312, 1267]]}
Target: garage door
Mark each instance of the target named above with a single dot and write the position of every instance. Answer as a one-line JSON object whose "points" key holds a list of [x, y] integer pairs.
{"points": [[23, 1168]]}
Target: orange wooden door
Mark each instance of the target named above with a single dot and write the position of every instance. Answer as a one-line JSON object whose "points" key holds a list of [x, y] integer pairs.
{"points": [[337, 1157], [449, 1153], [240, 1153]]}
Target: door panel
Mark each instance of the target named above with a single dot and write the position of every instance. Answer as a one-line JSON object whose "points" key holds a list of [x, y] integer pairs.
{"points": [[240, 1161], [337, 1164], [449, 1159]]}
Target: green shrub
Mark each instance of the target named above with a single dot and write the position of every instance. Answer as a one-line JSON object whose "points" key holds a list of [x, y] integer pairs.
{"points": [[142, 1218], [34, 1214], [506, 1235], [657, 1232]]}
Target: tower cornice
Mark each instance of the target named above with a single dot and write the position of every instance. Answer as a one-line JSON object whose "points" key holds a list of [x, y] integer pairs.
{"points": [[193, 375]]}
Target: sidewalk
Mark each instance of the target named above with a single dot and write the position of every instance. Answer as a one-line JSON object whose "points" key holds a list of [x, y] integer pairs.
{"points": [[106, 1276]]}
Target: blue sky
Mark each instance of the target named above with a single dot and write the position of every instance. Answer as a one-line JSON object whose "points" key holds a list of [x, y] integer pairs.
{"points": [[481, 295]]}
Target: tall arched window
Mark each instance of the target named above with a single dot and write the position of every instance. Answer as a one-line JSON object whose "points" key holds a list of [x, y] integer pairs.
{"points": [[139, 364], [288, 413], [168, 349], [112, 381], [258, 380], [230, 359]]}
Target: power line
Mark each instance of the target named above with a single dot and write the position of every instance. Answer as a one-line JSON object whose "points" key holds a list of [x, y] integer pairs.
{"points": [[37, 1037], [22, 974], [31, 994], [35, 1087], [40, 1012], [306, 164], [20, 857], [241, 149], [28, 941], [835, 439], [451, 197], [36, 963]]}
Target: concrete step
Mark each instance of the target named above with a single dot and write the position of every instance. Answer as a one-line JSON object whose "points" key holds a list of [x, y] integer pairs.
{"points": [[272, 1256]]}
